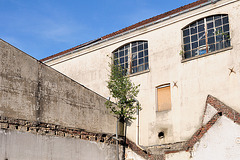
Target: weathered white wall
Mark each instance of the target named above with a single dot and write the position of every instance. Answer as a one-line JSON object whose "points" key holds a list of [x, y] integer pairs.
{"points": [[195, 79], [222, 141], [15, 145], [179, 156]]}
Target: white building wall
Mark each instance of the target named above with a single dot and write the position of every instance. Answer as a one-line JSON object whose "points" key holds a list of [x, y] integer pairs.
{"points": [[222, 141], [195, 79]]}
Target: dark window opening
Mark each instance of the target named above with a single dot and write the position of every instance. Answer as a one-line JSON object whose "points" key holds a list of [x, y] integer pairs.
{"points": [[136, 57], [206, 35]]}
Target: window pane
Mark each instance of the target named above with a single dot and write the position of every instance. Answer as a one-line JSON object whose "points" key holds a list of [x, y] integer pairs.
{"points": [[146, 66], [194, 45], [201, 35], [217, 16], [140, 54], [219, 45], [115, 55], [187, 47], [186, 40], [209, 18], [211, 40], [226, 28], [194, 52], [193, 30], [227, 43], [121, 54], [134, 63], [194, 38], [140, 68], [209, 25], [202, 42], [127, 46], [140, 47], [210, 32], [218, 22], [134, 56], [211, 48], [121, 60], [225, 20], [145, 52], [121, 49], [126, 58], [185, 32], [134, 49], [134, 69], [187, 54], [145, 45], [226, 36], [219, 38], [134, 43], [193, 24], [201, 21], [126, 65], [140, 61], [146, 59], [201, 28], [126, 52]]}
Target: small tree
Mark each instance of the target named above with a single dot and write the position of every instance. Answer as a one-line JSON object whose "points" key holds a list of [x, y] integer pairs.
{"points": [[124, 92]]}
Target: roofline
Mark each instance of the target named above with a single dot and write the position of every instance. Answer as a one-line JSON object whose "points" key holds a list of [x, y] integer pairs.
{"points": [[222, 110], [145, 23]]}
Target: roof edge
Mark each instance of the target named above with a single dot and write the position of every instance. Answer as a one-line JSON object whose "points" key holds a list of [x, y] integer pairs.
{"points": [[170, 14]]}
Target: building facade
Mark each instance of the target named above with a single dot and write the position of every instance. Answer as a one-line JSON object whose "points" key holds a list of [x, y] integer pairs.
{"points": [[178, 58]]}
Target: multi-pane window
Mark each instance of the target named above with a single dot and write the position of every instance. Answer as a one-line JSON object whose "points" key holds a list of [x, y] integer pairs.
{"points": [[206, 35], [133, 56]]}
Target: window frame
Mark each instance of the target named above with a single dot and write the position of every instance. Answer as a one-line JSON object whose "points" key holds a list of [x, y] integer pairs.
{"points": [[220, 36], [142, 53]]}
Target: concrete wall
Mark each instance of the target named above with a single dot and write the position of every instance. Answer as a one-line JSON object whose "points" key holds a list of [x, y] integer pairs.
{"points": [[15, 145], [195, 79], [32, 91]]}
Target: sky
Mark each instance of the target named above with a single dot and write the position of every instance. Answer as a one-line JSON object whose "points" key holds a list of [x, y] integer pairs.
{"points": [[42, 28]]}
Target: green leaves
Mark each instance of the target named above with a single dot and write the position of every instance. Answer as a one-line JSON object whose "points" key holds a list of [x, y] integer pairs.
{"points": [[123, 91]]}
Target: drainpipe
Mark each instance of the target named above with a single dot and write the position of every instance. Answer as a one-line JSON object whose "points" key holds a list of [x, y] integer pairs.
{"points": [[137, 123], [137, 128]]}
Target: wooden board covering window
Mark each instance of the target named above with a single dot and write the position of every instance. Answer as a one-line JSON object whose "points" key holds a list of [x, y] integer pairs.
{"points": [[164, 98]]}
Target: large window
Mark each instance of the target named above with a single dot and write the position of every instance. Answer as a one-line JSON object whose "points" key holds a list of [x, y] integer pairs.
{"points": [[133, 56], [206, 35]]}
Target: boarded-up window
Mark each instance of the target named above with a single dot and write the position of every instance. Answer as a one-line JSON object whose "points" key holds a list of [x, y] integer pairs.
{"points": [[163, 98]]}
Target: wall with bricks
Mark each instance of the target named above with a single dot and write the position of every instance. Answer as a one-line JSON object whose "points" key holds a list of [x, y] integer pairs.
{"points": [[45, 115], [30, 90]]}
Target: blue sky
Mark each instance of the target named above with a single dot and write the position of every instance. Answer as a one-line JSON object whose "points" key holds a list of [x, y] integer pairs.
{"points": [[45, 27]]}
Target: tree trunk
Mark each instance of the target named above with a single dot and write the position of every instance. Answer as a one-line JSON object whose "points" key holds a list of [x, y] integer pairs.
{"points": [[124, 140]]}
